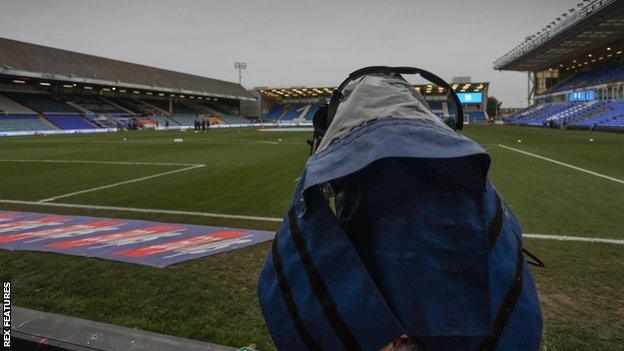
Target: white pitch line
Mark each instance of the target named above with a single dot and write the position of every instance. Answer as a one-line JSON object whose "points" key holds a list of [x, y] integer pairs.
{"points": [[564, 164], [121, 183], [104, 162], [574, 238], [269, 219], [142, 210]]}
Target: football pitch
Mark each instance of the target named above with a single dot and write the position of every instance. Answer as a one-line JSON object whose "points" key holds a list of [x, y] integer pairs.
{"points": [[561, 185]]}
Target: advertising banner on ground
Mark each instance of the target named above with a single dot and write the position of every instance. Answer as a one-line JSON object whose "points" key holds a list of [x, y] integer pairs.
{"points": [[142, 242]]}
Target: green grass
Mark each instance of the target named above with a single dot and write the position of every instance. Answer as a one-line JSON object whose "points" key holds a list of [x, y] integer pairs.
{"points": [[253, 173]]}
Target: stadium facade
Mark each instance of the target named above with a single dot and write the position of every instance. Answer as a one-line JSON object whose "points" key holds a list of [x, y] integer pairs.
{"points": [[298, 104], [575, 69], [48, 90]]}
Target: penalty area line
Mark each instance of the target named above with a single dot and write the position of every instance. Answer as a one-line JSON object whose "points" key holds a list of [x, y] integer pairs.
{"points": [[120, 183], [142, 210], [564, 164]]}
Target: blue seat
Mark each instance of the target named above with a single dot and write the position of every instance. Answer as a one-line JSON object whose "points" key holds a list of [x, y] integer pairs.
{"points": [[69, 122]]}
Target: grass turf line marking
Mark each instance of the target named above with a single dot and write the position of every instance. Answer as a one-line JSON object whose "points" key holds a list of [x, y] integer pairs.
{"points": [[120, 183], [564, 164], [271, 219], [142, 210], [574, 238], [105, 162]]}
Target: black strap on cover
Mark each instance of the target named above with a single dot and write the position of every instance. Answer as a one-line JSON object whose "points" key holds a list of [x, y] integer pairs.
{"points": [[509, 303], [289, 301], [535, 261], [494, 230], [495, 226], [320, 289]]}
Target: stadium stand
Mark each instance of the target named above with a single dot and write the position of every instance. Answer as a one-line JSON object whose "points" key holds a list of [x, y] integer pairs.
{"points": [[148, 107], [184, 113], [275, 113], [476, 116], [204, 111], [9, 106], [225, 114], [576, 80], [156, 110], [104, 121], [214, 105], [162, 120], [146, 122], [537, 116], [43, 88], [215, 120], [570, 114], [40, 103], [292, 113], [69, 122], [309, 116], [181, 108], [177, 107], [232, 119], [128, 105], [24, 122], [198, 107], [609, 73], [95, 105], [184, 120], [604, 114], [299, 104], [607, 114]]}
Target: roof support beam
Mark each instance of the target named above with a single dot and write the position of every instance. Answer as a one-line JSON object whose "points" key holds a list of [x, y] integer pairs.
{"points": [[66, 78]]}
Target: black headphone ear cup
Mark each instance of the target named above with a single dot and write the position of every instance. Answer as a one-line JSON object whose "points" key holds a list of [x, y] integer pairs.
{"points": [[320, 120], [320, 123], [332, 106]]}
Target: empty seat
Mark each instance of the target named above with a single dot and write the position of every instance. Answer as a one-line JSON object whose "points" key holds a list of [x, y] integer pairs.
{"points": [[23, 123], [70, 122]]}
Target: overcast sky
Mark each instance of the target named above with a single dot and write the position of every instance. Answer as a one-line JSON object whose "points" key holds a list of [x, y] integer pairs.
{"points": [[289, 42]]}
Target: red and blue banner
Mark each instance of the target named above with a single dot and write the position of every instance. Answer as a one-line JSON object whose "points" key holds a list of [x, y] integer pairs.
{"points": [[142, 242]]}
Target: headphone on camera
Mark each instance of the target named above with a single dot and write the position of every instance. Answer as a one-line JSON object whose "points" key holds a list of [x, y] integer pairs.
{"points": [[325, 114]]}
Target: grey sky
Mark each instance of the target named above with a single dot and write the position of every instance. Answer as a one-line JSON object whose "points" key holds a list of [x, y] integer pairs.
{"points": [[290, 42]]}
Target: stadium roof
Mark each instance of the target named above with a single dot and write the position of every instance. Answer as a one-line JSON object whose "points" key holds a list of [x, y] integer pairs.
{"points": [[305, 92], [297, 92], [590, 28], [26, 60]]}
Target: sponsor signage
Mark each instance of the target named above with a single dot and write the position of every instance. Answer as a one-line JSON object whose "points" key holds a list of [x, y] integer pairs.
{"points": [[134, 241]]}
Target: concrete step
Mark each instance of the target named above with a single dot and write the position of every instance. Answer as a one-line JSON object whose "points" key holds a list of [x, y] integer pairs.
{"points": [[36, 330]]}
